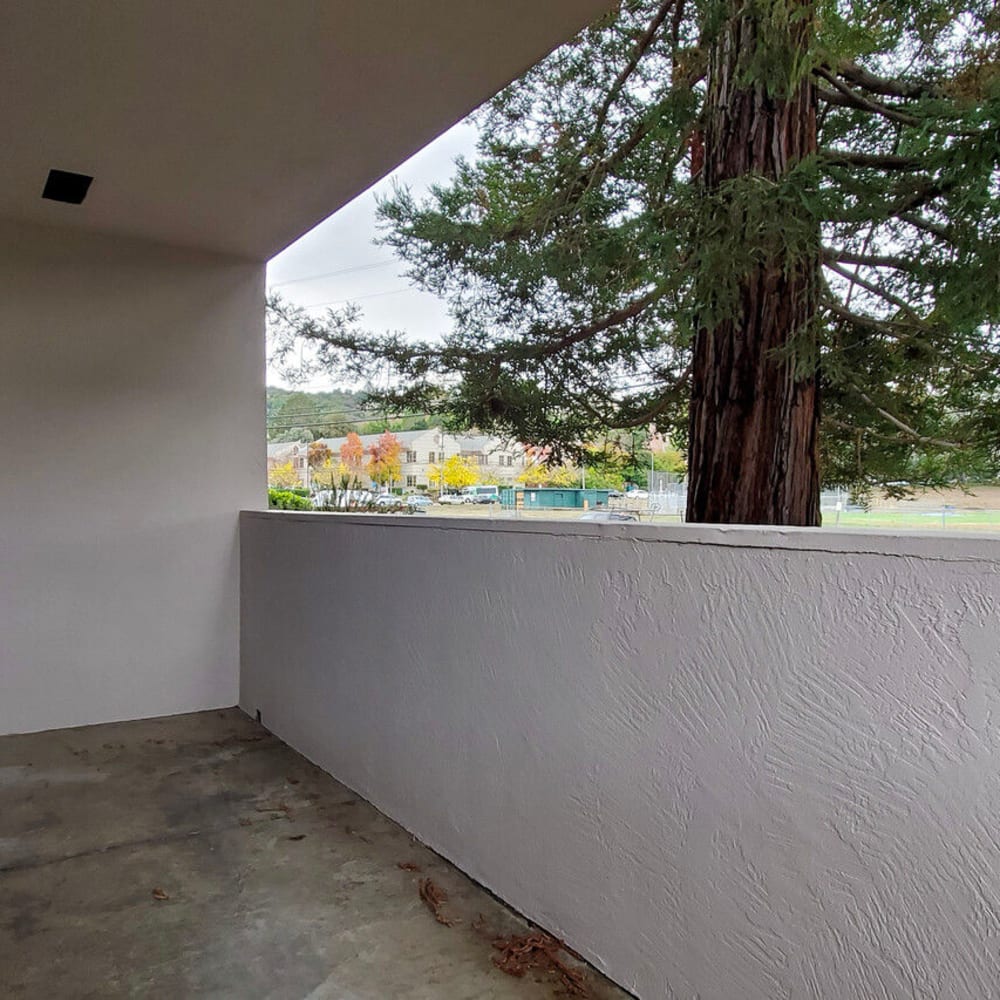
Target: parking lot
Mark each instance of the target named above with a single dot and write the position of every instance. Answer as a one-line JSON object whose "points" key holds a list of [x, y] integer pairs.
{"points": [[954, 510]]}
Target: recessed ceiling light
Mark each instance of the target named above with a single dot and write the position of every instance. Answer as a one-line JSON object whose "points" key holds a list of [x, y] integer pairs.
{"points": [[62, 185]]}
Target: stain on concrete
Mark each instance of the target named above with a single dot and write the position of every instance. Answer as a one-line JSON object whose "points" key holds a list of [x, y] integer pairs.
{"points": [[280, 882]]}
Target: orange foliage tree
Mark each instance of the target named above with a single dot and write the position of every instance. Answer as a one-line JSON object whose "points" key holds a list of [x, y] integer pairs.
{"points": [[319, 454], [384, 464], [352, 454]]}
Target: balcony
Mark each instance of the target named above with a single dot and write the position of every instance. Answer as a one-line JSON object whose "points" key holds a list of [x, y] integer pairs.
{"points": [[720, 762], [727, 763], [199, 856]]}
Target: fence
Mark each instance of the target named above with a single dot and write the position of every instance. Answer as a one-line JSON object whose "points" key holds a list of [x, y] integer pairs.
{"points": [[667, 501]]}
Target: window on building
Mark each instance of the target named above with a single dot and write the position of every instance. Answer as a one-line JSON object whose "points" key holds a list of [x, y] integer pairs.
{"points": [[431, 457], [411, 480], [411, 456]]}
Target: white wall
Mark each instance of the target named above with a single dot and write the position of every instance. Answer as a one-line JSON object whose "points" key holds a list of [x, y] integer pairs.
{"points": [[131, 408], [726, 763]]}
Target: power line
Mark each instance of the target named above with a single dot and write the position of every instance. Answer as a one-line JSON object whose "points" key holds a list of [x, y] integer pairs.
{"points": [[333, 274], [358, 298], [319, 410], [318, 414], [312, 420]]}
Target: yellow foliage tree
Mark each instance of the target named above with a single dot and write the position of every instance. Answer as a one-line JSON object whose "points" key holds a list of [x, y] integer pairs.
{"points": [[330, 474], [670, 460], [540, 474], [456, 473], [283, 476], [488, 477]]}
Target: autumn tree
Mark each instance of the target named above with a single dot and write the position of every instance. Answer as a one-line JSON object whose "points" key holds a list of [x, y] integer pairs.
{"points": [[670, 460], [384, 460], [711, 216], [318, 454], [489, 477], [325, 471], [542, 474], [283, 476], [352, 454], [456, 472]]}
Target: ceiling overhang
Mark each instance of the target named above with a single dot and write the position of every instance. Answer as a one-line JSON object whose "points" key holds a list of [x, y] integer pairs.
{"points": [[237, 125]]}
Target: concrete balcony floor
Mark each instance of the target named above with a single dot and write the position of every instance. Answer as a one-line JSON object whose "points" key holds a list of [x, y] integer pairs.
{"points": [[279, 881]]}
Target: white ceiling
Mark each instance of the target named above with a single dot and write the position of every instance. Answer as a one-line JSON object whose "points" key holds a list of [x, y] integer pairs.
{"points": [[237, 125]]}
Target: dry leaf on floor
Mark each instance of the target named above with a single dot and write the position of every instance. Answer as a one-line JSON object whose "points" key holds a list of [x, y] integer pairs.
{"points": [[434, 898], [408, 866], [159, 893], [520, 954], [277, 807]]}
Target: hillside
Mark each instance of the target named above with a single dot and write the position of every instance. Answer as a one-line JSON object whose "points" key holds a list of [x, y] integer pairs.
{"points": [[304, 416]]}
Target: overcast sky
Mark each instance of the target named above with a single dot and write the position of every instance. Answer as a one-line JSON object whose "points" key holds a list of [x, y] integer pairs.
{"points": [[337, 261]]}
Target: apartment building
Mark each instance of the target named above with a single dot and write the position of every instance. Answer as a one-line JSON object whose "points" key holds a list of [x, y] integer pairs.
{"points": [[496, 457]]}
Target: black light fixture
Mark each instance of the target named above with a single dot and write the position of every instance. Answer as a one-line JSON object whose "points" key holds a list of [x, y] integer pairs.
{"points": [[63, 185]]}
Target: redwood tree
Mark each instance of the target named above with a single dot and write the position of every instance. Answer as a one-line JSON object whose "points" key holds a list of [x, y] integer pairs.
{"points": [[704, 216], [754, 409]]}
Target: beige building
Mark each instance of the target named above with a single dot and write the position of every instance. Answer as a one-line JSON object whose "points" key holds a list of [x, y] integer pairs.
{"points": [[496, 457], [282, 452]]}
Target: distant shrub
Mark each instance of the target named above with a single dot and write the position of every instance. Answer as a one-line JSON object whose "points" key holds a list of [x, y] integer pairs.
{"points": [[287, 500]]}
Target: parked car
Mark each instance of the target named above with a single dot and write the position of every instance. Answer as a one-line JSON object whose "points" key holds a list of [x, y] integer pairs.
{"points": [[483, 498], [616, 494], [418, 500], [637, 495], [608, 515], [452, 498], [387, 500]]}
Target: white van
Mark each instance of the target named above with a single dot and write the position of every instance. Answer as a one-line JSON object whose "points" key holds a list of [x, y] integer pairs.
{"points": [[481, 494]]}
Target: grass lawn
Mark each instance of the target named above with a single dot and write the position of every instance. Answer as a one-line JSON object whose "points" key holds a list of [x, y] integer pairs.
{"points": [[968, 520]]}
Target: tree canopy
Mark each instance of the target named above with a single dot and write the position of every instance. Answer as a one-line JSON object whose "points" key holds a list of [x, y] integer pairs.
{"points": [[583, 249], [384, 461], [456, 472]]}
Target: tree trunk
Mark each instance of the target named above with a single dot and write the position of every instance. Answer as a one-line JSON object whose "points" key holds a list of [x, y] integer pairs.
{"points": [[754, 417]]}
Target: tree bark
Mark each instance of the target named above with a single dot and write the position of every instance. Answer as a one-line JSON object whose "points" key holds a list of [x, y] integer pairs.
{"points": [[754, 415]]}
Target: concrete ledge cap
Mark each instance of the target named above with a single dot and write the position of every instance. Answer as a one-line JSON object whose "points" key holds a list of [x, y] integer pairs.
{"points": [[950, 546]]}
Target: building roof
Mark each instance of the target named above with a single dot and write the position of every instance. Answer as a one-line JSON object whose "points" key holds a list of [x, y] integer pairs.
{"points": [[479, 442], [484, 443], [404, 438], [276, 448]]}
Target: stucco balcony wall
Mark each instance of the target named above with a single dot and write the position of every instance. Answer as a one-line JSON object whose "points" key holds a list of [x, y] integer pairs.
{"points": [[723, 762]]}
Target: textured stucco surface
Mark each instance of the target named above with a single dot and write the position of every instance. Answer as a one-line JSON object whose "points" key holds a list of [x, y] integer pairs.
{"points": [[131, 400], [722, 763]]}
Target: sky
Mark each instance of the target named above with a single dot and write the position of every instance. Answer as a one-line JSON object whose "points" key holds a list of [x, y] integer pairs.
{"points": [[337, 262]]}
